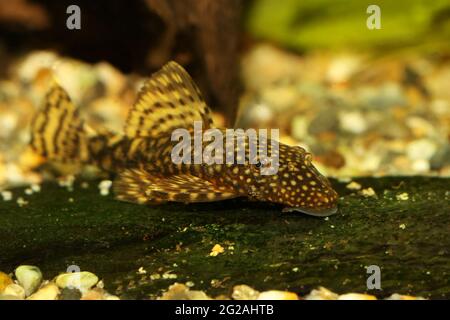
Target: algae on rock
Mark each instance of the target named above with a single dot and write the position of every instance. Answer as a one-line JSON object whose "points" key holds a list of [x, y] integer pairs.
{"points": [[139, 251]]}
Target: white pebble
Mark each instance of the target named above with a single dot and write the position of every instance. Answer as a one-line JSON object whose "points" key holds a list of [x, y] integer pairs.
{"points": [[104, 187], [402, 196], [67, 182], [353, 186], [244, 292], [14, 290], [142, 270], [421, 165], [29, 277], [82, 281], [168, 275], [155, 276], [21, 202], [7, 195], [353, 122], [421, 149], [368, 192], [321, 294]]}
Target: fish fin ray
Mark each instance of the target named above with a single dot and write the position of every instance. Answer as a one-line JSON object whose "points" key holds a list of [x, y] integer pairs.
{"points": [[57, 131], [140, 186], [168, 100]]}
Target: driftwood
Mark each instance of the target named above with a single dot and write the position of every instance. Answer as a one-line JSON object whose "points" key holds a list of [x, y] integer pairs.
{"points": [[138, 36], [215, 25]]}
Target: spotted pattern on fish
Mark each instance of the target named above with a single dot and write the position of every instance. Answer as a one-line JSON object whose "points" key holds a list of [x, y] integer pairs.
{"points": [[142, 156]]}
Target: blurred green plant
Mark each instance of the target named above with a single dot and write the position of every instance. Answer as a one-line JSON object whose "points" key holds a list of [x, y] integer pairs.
{"points": [[338, 24]]}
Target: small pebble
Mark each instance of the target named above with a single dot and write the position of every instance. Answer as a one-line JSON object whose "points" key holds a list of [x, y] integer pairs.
{"points": [[397, 296], [368, 192], [47, 292], [5, 281], [244, 292], [94, 294], [421, 166], [142, 270], [100, 284], [402, 196], [82, 281], [7, 195], [104, 187], [216, 250], [21, 202], [67, 182], [179, 291], [356, 296], [35, 188], [353, 122], [421, 149], [8, 297], [14, 290], [155, 276], [321, 294], [277, 295], [29, 277], [168, 275], [353, 186]]}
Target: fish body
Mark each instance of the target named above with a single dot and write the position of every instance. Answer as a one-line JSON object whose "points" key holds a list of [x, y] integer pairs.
{"points": [[149, 171]]}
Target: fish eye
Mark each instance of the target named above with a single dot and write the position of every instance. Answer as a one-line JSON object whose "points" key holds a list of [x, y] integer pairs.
{"points": [[258, 164]]}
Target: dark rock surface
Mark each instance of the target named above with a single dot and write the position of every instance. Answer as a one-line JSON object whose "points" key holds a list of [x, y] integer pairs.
{"points": [[264, 248]]}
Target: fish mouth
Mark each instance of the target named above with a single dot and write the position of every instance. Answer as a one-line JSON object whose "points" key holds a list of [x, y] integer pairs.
{"points": [[313, 212]]}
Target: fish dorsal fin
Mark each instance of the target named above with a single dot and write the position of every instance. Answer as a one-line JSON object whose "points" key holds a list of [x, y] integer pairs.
{"points": [[168, 100]]}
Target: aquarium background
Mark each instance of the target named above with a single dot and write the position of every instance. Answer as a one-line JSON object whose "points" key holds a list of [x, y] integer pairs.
{"points": [[371, 105]]}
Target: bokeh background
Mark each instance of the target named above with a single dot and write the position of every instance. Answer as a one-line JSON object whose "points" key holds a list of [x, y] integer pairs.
{"points": [[364, 102]]}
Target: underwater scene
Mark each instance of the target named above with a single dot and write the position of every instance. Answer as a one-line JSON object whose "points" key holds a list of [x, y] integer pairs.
{"points": [[224, 150]]}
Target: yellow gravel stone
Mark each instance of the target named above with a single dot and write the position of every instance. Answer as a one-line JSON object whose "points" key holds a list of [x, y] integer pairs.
{"points": [[277, 295], [216, 250], [356, 296], [5, 281]]}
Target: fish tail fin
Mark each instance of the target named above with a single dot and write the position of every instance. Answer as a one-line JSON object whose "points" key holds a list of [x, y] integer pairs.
{"points": [[57, 131]]}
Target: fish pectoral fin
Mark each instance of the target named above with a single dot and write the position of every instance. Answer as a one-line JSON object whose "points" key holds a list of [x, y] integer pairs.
{"points": [[168, 100], [140, 186]]}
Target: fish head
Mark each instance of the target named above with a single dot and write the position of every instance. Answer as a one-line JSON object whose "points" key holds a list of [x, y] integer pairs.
{"points": [[294, 182]]}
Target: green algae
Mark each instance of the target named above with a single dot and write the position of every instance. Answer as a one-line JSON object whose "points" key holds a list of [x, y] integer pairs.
{"points": [[264, 248]]}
